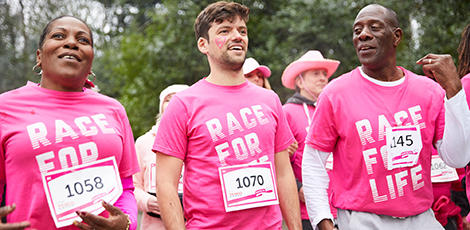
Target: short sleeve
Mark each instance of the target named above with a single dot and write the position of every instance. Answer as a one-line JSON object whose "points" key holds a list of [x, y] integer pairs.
{"points": [[129, 164], [440, 124], [283, 137], [2, 163], [322, 134], [172, 138]]}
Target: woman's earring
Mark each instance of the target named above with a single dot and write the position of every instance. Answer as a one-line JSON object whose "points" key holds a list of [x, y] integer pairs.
{"points": [[37, 69], [93, 75], [89, 83]]}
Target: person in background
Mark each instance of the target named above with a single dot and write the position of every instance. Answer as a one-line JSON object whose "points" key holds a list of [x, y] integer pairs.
{"points": [[381, 122], [445, 180], [231, 136], [463, 71], [67, 153], [144, 181], [256, 73], [307, 76]]}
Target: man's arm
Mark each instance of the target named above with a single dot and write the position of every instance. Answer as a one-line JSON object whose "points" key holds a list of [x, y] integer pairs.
{"points": [[454, 148], [168, 174], [287, 191], [315, 182]]}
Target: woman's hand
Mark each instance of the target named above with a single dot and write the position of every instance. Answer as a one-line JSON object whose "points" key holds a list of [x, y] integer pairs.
{"points": [[5, 210], [153, 206], [117, 219], [292, 148]]}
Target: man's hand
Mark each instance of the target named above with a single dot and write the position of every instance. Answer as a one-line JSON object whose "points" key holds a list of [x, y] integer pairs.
{"points": [[326, 224], [441, 67]]}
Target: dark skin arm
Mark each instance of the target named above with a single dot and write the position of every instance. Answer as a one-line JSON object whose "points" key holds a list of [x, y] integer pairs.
{"points": [[326, 224], [117, 219], [441, 67]]}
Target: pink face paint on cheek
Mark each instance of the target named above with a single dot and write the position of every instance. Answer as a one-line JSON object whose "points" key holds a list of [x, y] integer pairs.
{"points": [[220, 41]]}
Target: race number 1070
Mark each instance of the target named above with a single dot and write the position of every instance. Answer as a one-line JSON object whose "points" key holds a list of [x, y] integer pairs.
{"points": [[250, 181], [87, 186]]}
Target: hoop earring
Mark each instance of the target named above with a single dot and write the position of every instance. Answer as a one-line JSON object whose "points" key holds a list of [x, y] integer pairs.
{"points": [[89, 84], [37, 69], [93, 75]]}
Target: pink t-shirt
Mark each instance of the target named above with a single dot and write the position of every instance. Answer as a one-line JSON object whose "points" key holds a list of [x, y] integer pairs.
{"points": [[350, 121], [298, 123], [209, 126], [143, 180], [466, 87], [44, 130]]}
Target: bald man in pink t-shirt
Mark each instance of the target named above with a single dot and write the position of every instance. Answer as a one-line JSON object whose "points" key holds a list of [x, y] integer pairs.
{"points": [[380, 122]]}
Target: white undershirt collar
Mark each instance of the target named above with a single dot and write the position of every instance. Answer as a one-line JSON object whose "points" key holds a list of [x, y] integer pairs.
{"points": [[382, 83]]}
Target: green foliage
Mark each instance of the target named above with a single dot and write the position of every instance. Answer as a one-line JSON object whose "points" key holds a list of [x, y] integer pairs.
{"points": [[143, 46]]}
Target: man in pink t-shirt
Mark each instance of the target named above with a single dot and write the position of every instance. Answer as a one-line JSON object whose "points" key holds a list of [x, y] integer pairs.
{"points": [[231, 136], [307, 76], [381, 121]]}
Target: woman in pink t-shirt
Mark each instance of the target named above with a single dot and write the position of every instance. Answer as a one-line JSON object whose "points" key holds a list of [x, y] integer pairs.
{"points": [[464, 72], [67, 153], [144, 181]]}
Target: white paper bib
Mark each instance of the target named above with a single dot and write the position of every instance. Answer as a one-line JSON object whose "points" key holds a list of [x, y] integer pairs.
{"points": [[248, 186], [82, 187], [440, 172], [403, 146]]}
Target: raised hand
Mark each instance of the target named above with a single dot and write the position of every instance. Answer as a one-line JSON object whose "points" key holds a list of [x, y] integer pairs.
{"points": [[441, 67]]}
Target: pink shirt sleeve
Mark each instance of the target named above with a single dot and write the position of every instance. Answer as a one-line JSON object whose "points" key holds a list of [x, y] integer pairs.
{"points": [[322, 134], [171, 136], [284, 136], [127, 202], [2, 168], [129, 164], [440, 123]]}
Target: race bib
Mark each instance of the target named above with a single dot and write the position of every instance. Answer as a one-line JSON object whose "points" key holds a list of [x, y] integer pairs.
{"points": [[248, 186], [81, 188], [440, 172], [152, 187], [403, 146]]}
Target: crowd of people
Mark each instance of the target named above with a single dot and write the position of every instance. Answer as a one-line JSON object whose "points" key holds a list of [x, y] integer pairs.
{"points": [[378, 147]]}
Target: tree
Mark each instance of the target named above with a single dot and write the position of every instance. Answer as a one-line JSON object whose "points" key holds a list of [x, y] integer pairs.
{"points": [[143, 46]]}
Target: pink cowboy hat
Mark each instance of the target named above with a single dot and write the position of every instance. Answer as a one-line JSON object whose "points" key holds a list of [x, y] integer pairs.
{"points": [[251, 65], [310, 60]]}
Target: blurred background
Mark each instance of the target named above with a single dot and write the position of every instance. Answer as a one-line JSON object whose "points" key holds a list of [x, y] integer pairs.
{"points": [[142, 46]]}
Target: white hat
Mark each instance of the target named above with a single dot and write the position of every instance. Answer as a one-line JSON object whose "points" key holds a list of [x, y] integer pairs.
{"points": [[169, 90], [251, 65], [310, 60]]}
